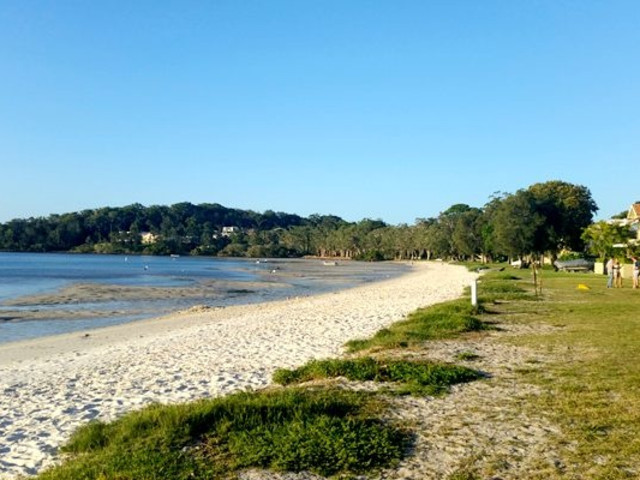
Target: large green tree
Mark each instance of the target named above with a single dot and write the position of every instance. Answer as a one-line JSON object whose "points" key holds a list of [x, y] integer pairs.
{"points": [[467, 234], [515, 224], [567, 210], [542, 218]]}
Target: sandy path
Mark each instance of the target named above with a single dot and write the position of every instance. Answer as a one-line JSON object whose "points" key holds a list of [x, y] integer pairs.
{"points": [[49, 387]]}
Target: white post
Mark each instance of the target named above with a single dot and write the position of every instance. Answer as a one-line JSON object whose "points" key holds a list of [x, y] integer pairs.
{"points": [[474, 293]]}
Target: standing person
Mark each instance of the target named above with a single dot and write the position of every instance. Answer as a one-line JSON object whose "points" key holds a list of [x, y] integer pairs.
{"points": [[617, 268], [636, 271], [610, 273]]}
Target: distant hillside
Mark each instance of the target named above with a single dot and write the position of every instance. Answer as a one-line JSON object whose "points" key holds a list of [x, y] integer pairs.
{"points": [[179, 228], [544, 219]]}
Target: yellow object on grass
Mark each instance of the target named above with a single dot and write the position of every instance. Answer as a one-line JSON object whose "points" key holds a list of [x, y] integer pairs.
{"points": [[582, 286]]}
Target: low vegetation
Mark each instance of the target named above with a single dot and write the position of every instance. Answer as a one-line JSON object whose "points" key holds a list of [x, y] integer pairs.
{"points": [[414, 377], [445, 320], [500, 287], [319, 429], [323, 431], [590, 392], [468, 356]]}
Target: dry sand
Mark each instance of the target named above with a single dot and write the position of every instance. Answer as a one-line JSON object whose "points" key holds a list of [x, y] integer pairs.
{"points": [[51, 386]]}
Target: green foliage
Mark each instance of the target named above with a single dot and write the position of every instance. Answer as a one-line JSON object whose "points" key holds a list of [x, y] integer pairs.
{"points": [[464, 474], [84, 248], [323, 444], [500, 287], [372, 256], [515, 225], [545, 217], [413, 377], [621, 215], [600, 238], [467, 237], [570, 256], [567, 209], [445, 320], [325, 432], [233, 250], [180, 228], [468, 356]]}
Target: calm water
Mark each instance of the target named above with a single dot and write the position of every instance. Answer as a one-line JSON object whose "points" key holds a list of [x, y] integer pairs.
{"points": [[24, 274]]}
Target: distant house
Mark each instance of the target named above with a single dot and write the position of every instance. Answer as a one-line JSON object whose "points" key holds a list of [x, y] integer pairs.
{"points": [[633, 219], [228, 231], [147, 238]]}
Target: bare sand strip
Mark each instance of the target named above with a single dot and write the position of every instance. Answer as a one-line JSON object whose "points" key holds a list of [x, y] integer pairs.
{"points": [[49, 387]]}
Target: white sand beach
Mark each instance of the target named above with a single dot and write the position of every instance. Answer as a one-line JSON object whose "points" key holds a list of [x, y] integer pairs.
{"points": [[51, 386]]}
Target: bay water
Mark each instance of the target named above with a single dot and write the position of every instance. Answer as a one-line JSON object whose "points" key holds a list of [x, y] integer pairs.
{"points": [[37, 289]]}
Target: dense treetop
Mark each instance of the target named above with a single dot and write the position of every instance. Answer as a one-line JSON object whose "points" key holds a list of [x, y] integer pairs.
{"points": [[543, 218]]}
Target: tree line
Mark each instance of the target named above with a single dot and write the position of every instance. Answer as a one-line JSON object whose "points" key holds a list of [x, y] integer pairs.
{"points": [[544, 218]]}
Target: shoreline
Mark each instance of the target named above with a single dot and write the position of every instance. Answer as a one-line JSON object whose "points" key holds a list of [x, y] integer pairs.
{"points": [[54, 384], [94, 295]]}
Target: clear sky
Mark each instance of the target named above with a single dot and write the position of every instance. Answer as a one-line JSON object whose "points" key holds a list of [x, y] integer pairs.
{"points": [[390, 109]]}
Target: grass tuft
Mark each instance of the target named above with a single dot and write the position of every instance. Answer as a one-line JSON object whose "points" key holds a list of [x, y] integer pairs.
{"points": [[436, 322], [502, 287], [326, 432], [468, 356], [410, 377]]}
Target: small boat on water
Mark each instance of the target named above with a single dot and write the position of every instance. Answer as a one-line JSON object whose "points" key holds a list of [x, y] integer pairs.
{"points": [[174, 256], [330, 264]]}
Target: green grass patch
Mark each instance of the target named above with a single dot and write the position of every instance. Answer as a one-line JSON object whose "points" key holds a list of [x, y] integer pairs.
{"points": [[325, 431], [449, 319], [468, 356], [504, 286], [445, 320], [592, 392], [409, 377]]}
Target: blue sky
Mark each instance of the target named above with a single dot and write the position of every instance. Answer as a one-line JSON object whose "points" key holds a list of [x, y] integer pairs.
{"points": [[380, 109]]}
